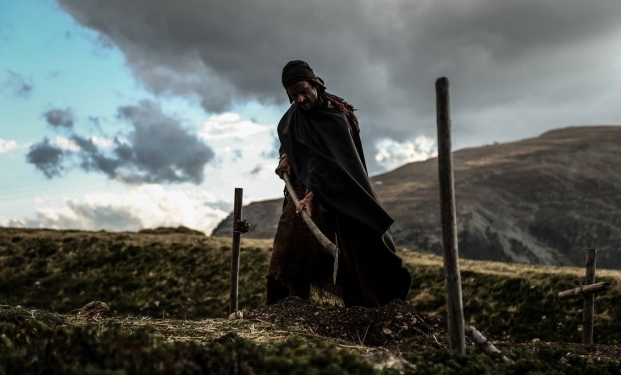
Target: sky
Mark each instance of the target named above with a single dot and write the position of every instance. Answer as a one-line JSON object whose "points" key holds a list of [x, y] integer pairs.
{"points": [[123, 115]]}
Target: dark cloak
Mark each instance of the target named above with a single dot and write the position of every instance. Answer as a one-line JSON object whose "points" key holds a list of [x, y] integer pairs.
{"points": [[325, 154]]}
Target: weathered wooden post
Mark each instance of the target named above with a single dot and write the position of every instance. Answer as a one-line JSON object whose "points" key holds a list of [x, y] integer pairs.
{"points": [[237, 211], [589, 300], [584, 290], [454, 302], [588, 290]]}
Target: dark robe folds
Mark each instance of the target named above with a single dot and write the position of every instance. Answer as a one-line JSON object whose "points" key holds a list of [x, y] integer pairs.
{"points": [[325, 154]]}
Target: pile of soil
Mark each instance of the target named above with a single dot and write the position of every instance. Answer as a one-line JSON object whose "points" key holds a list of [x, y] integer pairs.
{"points": [[396, 325], [384, 326]]}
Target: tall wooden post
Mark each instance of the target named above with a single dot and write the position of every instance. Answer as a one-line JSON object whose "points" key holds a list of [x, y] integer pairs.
{"points": [[588, 290], [454, 302], [237, 212], [588, 311]]}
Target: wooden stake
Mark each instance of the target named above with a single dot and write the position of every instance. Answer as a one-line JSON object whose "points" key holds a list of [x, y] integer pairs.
{"points": [[583, 291], [485, 345], [237, 212], [454, 302], [589, 300], [589, 289]]}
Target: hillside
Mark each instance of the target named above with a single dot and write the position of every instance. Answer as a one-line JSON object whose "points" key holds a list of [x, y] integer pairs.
{"points": [[538, 201], [168, 295], [188, 276]]}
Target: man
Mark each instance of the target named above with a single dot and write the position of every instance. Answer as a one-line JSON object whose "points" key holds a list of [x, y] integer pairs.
{"points": [[322, 153]]}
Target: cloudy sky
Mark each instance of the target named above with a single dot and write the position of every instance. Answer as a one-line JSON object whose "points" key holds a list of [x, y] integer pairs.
{"points": [[120, 115]]}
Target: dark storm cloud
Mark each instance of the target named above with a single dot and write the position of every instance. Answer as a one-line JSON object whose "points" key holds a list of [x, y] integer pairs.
{"points": [[46, 158], [59, 117], [17, 84], [93, 159], [516, 68], [159, 149]]}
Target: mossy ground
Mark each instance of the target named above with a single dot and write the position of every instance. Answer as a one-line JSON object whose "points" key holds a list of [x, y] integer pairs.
{"points": [[176, 275], [35, 341], [172, 283], [518, 302]]}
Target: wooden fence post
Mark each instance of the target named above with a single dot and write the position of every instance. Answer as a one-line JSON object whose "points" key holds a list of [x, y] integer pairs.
{"points": [[589, 300], [454, 302], [588, 290], [583, 290], [237, 212]]}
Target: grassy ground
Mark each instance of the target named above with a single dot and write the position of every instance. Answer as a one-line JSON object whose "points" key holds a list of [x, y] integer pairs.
{"points": [[37, 341], [187, 276], [161, 289], [518, 301], [176, 275]]}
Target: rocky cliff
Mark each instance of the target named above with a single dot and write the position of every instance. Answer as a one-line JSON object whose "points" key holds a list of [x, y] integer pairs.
{"points": [[542, 200]]}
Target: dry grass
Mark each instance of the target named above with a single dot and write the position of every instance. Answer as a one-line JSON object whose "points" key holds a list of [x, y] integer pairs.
{"points": [[507, 269], [186, 277], [204, 331]]}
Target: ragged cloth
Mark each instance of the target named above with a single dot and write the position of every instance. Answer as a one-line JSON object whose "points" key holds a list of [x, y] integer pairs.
{"points": [[325, 153]]}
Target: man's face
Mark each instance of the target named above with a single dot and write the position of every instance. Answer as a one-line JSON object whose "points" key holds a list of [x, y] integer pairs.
{"points": [[304, 94]]}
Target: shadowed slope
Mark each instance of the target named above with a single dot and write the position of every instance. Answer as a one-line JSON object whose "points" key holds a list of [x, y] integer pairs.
{"points": [[541, 200]]}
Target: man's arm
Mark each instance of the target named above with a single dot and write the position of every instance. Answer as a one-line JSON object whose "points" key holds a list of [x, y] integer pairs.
{"points": [[283, 164]]}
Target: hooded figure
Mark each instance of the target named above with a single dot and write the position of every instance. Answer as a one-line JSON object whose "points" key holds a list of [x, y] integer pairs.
{"points": [[322, 152]]}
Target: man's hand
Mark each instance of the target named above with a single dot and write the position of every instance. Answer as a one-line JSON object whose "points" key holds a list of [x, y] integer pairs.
{"points": [[306, 204], [283, 166]]}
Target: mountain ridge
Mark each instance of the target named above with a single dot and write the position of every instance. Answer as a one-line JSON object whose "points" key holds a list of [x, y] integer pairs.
{"points": [[540, 200]]}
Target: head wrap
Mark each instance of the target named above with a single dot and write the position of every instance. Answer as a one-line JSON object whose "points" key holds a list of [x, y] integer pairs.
{"points": [[296, 71]]}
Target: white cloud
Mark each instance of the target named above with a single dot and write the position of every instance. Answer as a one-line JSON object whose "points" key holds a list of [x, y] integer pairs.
{"points": [[7, 145], [102, 142], [146, 206], [122, 140], [392, 154], [66, 144], [229, 125]]}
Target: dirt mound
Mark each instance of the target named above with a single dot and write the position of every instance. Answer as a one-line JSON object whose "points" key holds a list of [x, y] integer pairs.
{"points": [[95, 311], [385, 326], [168, 230]]}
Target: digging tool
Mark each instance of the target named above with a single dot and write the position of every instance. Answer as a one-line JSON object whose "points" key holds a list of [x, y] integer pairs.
{"points": [[325, 242]]}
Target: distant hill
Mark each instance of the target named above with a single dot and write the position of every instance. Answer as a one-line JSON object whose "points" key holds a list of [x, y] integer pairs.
{"points": [[542, 200], [262, 215]]}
